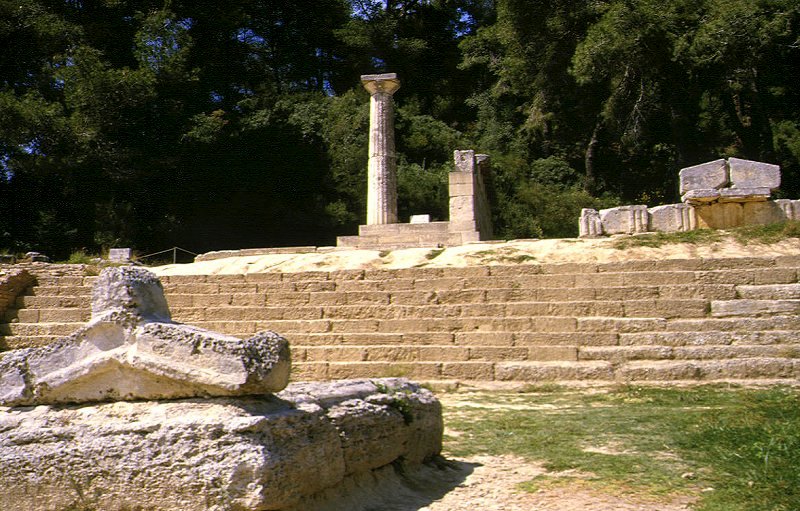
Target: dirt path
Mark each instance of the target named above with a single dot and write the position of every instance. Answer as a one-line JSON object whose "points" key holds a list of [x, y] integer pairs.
{"points": [[491, 484]]}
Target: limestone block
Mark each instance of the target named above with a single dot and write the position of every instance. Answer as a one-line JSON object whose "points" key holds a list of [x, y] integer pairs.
{"points": [[700, 196], [790, 208], [120, 255], [625, 219], [672, 217], [221, 454], [721, 215], [743, 194], [590, 225], [129, 289], [754, 174], [750, 307], [710, 175], [762, 213], [464, 161]]}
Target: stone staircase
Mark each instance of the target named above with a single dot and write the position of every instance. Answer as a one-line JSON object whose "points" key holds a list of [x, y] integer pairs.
{"points": [[641, 321]]}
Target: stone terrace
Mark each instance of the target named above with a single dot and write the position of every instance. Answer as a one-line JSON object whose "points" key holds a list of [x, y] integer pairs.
{"points": [[668, 320]]}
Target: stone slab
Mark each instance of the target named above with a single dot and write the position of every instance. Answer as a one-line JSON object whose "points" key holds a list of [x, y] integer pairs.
{"points": [[700, 196], [706, 176], [754, 174], [624, 219], [672, 217], [744, 194]]}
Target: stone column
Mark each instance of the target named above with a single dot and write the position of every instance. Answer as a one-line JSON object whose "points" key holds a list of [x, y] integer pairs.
{"points": [[382, 170]]}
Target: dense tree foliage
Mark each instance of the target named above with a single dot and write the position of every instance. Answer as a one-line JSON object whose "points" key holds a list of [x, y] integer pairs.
{"points": [[213, 125]]}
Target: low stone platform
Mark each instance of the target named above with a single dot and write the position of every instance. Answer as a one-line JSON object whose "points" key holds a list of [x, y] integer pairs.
{"points": [[285, 452]]}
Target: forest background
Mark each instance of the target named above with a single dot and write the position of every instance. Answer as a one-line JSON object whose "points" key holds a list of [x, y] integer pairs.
{"points": [[243, 123]]}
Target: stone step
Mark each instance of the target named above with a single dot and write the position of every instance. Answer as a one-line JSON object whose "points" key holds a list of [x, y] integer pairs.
{"points": [[53, 302], [731, 324], [752, 308], [769, 292], [14, 342], [48, 315], [554, 371], [64, 280], [72, 291], [430, 353], [710, 338], [628, 353], [54, 330], [643, 308], [709, 370]]}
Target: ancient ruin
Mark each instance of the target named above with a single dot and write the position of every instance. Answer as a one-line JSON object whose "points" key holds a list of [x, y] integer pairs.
{"points": [[382, 168], [135, 411], [720, 194], [470, 217]]}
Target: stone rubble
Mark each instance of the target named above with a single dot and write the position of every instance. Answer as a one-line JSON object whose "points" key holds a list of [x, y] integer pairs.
{"points": [[719, 194]]}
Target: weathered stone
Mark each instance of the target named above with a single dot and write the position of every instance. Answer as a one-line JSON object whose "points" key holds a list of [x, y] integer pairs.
{"points": [[382, 169], [131, 350], [720, 215], [743, 194], [754, 174], [710, 175], [469, 207], [221, 454], [120, 255], [624, 219], [36, 257], [672, 217], [590, 225], [749, 307], [700, 196], [762, 213], [131, 290], [790, 208]]}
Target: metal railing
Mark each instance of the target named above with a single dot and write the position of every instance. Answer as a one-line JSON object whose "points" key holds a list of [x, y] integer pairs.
{"points": [[174, 251]]}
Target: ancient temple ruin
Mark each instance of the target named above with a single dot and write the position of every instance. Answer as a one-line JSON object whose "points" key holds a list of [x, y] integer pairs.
{"points": [[719, 194], [469, 217]]}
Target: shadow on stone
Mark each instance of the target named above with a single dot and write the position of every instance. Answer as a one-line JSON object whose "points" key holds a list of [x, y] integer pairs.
{"points": [[397, 488]]}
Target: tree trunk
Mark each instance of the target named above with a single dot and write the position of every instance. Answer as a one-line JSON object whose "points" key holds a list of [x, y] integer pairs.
{"points": [[590, 177]]}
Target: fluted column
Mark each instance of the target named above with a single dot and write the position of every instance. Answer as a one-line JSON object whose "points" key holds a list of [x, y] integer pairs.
{"points": [[382, 169]]}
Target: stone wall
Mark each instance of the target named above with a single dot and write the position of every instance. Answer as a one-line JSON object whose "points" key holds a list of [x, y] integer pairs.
{"points": [[13, 282]]}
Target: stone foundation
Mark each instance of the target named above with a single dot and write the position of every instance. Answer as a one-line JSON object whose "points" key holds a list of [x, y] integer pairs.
{"points": [[282, 452]]}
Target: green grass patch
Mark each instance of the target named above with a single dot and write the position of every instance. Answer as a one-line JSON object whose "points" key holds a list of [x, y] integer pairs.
{"points": [[658, 239], [653, 442], [766, 234], [81, 257], [770, 233]]}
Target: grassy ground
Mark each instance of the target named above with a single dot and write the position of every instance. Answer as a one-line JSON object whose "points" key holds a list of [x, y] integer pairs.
{"points": [[770, 233], [731, 448]]}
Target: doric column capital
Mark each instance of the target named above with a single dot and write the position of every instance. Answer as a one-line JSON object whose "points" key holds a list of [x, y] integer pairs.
{"points": [[386, 83]]}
